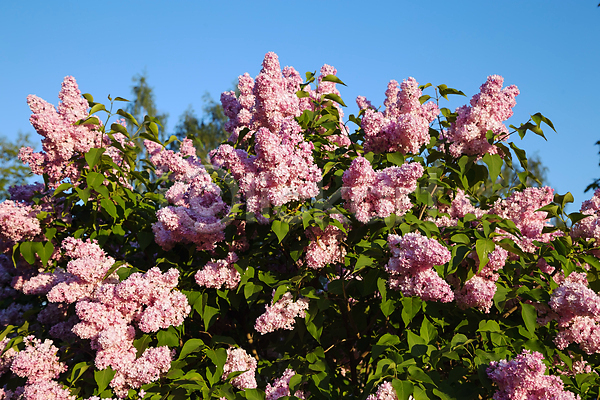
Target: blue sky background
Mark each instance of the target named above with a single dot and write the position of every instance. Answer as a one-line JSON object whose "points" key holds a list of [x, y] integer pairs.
{"points": [[550, 49]]}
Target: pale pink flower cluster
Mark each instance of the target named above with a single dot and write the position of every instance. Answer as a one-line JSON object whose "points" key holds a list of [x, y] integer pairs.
{"points": [[217, 273], [271, 100], [459, 207], [479, 291], [325, 246], [281, 387], [385, 391], [283, 169], [371, 194], [520, 207], [239, 360], [197, 209], [18, 223], [85, 272], [108, 309], [404, 125], [62, 140], [281, 315], [578, 310], [411, 267], [107, 319], [589, 227], [524, 378], [39, 363], [487, 112]]}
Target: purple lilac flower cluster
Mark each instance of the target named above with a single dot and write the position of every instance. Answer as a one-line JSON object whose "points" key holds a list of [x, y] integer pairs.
{"points": [[404, 124], [197, 209], [524, 378], [370, 193], [411, 267], [487, 112]]}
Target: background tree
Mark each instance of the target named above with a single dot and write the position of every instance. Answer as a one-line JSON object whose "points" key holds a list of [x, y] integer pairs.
{"points": [[143, 103], [12, 170]]}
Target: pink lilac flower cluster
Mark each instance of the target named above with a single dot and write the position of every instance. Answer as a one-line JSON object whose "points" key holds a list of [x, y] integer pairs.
{"points": [[578, 312], [197, 209], [62, 140], [459, 207], [325, 246], [371, 194], [107, 319], [411, 267], [281, 315], [39, 363], [479, 291], [108, 309], [404, 125], [281, 387], [239, 360], [385, 391], [520, 207], [283, 169], [589, 227], [524, 378], [18, 223], [217, 273], [271, 99], [487, 112]]}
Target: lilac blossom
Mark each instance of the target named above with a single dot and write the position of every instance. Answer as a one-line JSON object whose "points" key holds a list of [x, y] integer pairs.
{"points": [[524, 378], [197, 209], [281, 387], [239, 360], [411, 267], [487, 112], [371, 194], [325, 246], [217, 273], [404, 125], [281, 314]]}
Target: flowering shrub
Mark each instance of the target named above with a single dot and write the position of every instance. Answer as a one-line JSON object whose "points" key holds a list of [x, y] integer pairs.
{"points": [[309, 260]]}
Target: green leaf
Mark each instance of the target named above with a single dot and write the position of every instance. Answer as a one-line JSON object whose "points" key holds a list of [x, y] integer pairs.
{"points": [[191, 346], [410, 307], [103, 378], [484, 247], [395, 158], [362, 262], [419, 375], [334, 97], [109, 207], [403, 389], [94, 155], [460, 238], [96, 108], [494, 163], [28, 252], [94, 179], [62, 188], [77, 371], [332, 78], [153, 129], [384, 342], [168, 337], [44, 251], [119, 128], [529, 314], [281, 229], [254, 394], [428, 331], [141, 344]]}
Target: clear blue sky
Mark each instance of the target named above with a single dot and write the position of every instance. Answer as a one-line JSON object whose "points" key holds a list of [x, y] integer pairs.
{"points": [[550, 49]]}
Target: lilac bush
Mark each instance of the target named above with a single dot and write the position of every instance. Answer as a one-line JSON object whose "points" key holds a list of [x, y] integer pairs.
{"points": [[314, 257]]}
